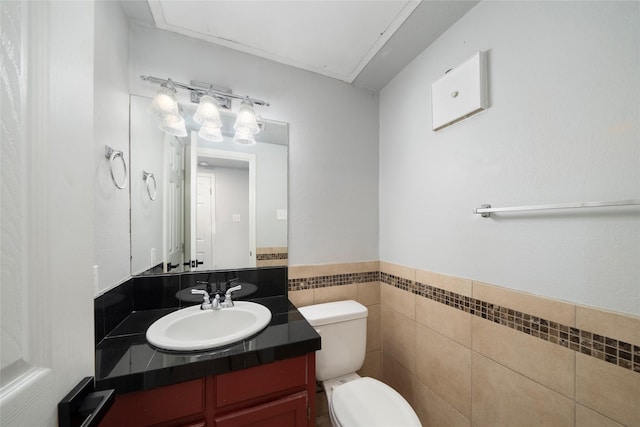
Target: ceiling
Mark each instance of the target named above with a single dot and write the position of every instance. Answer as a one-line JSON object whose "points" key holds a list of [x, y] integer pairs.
{"points": [[360, 42]]}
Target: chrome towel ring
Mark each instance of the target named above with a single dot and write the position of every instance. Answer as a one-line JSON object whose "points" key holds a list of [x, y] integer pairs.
{"points": [[148, 177], [112, 154]]}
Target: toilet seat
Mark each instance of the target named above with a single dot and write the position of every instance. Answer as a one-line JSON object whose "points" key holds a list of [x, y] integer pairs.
{"points": [[367, 402]]}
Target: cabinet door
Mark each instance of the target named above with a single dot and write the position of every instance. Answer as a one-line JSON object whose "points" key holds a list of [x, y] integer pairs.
{"points": [[282, 377], [289, 411]]}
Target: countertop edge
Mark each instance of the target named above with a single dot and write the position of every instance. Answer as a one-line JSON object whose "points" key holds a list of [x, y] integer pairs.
{"points": [[193, 368]]}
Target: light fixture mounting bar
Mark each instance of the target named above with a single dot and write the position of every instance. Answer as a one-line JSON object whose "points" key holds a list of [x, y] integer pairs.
{"points": [[223, 101], [203, 89]]}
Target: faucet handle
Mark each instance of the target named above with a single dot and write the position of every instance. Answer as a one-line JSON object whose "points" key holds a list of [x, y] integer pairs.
{"points": [[206, 301], [228, 302], [202, 292], [235, 288]]}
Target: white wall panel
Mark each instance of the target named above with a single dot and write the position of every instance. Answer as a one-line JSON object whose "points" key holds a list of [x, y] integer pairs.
{"points": [[564, 84], [111, 127]]}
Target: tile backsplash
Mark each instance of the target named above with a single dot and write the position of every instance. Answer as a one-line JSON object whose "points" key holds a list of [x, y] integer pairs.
{"points": [[623, 354], [465, 352]]}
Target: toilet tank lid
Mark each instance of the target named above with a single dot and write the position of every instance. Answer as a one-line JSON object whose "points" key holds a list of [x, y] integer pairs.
{"points": [[333, 312]]}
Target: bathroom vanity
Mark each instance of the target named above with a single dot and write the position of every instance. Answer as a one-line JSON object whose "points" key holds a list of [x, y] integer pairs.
{"points": [[267, 379], [276, 394]]}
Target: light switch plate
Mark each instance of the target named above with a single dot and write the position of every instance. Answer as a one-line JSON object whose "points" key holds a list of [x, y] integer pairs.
{"points": [[281, 214], [460, 93], [235, 217]]}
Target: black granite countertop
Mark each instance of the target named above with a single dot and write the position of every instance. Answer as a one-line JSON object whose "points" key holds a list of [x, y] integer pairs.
{"points": [[126, 362]]}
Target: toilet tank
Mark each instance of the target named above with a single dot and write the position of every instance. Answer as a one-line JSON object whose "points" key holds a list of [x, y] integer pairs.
{"points": [[342, 325]]}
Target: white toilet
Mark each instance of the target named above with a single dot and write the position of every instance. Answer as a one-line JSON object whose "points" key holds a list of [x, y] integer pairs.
{"points": [[354, 401]]}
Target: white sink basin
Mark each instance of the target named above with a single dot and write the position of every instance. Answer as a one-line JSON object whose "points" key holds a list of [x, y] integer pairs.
{"points": [[194, 329]]}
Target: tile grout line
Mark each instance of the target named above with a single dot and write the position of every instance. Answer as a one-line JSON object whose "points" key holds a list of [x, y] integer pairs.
{"points": [[613, 351]]}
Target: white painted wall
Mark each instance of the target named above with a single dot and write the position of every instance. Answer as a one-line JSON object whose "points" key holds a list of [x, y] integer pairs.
{"points": [[563, 126], [333, 160], [271, 195], [111, 126], [147, 151]]}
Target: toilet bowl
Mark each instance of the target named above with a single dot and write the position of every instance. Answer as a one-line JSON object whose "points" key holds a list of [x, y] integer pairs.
{"points": [[367, 402], [353, 401]]}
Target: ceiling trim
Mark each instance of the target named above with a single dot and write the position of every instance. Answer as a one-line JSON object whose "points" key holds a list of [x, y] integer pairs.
{"points": [[380, 42], [161, 23]]}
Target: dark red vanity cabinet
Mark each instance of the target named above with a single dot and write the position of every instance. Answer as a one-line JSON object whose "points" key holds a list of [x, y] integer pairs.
{"points": [[279, 394], [291, 410]]}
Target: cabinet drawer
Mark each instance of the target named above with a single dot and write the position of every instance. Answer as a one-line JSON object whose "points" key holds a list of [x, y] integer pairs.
{"points": [[157, 405], [262, 380], [289, 411]]}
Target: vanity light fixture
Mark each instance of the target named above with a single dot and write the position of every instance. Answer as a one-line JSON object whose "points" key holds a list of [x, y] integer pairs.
{"points": [[246, 119], [208, 112], [174, 123], [246, 124], [173, 128], [208, 116], [210, 99], [213, 134], [166, 107], [243, 137], [165, 103]]}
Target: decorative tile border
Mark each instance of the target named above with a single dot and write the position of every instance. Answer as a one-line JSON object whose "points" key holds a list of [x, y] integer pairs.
{"points": [[608, 349], [272, 253], [616, 352], [269, 257], [333, 280]]}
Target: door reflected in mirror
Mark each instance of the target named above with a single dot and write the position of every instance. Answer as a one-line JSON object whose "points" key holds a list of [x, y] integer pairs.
{"points": [[217, 206]]}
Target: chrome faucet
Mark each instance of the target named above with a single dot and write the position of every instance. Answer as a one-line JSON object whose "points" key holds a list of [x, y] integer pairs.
{"points": [[215, 304]]}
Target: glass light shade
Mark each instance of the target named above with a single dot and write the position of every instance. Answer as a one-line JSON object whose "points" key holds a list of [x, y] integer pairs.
{"points": [[165, 102], [173, 117], [246, 119], [244, 138], [210, 133], [176, 128], [208, 112]]}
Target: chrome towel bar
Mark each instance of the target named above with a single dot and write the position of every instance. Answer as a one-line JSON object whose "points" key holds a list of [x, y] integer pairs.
{"points": [[486, 210]]}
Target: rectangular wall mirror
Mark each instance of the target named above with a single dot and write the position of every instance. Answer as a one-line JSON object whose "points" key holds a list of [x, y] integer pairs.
{"points": [[198, 205]]}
